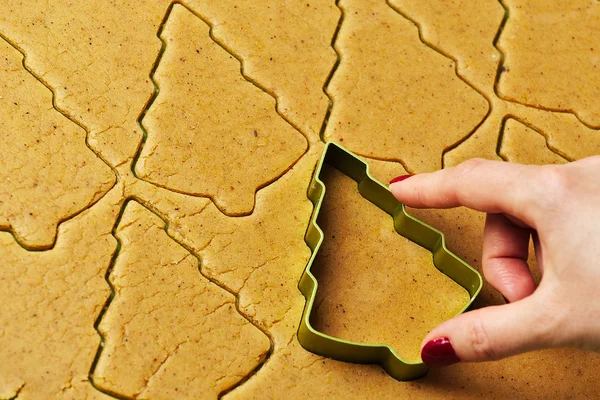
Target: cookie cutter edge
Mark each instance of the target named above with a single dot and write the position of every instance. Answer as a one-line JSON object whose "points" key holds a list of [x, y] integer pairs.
{"points": [[407, 226]]}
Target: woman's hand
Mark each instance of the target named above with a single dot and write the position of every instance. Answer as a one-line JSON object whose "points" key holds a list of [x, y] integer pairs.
{"points": [[560, 207]]}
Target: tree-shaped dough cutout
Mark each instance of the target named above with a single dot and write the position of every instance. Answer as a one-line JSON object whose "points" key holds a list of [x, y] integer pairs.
{"points": [[47, 172], [394, 98], [210, 131], [169, 330]]}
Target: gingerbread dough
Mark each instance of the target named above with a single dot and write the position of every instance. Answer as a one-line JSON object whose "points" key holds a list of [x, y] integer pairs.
{"points": [[97, 57], [285, 47], [209, 345], [388, 85], [468, 31], [47, 173], [210, 131], [523, 144], [396, 84], [50, 302], [362, 253], [552, 57], [543, 374]]}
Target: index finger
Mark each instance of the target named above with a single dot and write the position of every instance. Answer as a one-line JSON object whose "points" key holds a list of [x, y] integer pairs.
{"points": [[483, 185]]}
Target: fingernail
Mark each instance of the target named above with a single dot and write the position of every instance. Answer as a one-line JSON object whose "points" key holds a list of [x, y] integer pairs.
{"points": [[439, 353], [400, 178]]}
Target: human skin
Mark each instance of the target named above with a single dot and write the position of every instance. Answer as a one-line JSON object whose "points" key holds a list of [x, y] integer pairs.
{"points": [[559, 206]]}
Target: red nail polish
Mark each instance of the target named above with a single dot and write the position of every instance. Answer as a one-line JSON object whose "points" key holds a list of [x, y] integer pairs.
{"points": [[439, 353], [400, 178]]}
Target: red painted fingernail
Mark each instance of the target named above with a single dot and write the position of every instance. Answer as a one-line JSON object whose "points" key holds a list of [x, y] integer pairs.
{"points": [[400, 178], [439, 353]]}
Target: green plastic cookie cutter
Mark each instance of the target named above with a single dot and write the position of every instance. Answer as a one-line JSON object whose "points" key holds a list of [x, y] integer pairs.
{"points": [[407, 226]]}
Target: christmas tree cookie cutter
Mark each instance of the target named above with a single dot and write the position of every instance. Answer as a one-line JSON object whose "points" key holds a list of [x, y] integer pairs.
{"points": [[407, 226]]}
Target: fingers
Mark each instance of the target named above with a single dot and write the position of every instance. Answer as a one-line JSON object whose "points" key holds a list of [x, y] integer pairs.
{"points": [[488, 334], [505, 251], [488, 186]]}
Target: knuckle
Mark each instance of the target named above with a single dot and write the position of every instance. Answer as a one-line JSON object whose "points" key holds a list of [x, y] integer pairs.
{"points": [[556, 184], [468, 166], [480, 341]]}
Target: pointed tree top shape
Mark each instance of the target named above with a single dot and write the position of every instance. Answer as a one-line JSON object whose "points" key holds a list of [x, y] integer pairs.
{"points": [[407, 226]]}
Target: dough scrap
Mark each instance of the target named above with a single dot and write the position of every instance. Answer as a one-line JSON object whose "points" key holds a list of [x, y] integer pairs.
{"points": [[206, 107]]}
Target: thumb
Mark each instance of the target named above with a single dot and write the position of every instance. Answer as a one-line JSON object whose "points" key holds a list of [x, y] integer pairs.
{"points": [[489, 333]]}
